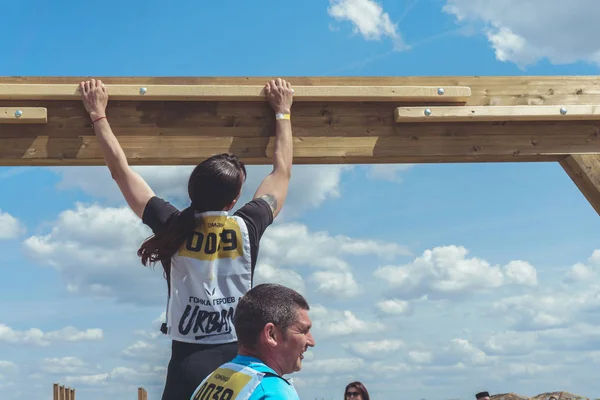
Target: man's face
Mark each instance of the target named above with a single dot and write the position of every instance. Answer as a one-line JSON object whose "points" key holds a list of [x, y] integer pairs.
{"points": [[298, 340]]}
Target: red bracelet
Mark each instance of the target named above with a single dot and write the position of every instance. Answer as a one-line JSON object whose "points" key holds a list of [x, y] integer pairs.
{"points": [[97, 119]]}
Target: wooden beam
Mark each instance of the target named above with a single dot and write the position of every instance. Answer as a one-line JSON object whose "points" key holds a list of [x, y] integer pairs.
{"points": [[497, 113], [326, 131], [584, 170], [23, 115], [166, 92], [189, 150]]}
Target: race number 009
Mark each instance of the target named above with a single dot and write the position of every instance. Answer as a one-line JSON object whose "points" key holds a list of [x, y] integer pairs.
{"points": [[211, 245]]}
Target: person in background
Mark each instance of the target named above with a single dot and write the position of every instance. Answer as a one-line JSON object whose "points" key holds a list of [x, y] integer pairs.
{"points": [[356, 391], [482, 396]]}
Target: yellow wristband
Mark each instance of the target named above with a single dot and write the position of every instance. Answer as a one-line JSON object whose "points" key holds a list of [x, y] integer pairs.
{"points": [[282, 116]]}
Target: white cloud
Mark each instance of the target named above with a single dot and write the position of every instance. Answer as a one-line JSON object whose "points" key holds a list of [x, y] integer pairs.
{"points": [[462, 351], [94, 249], [335, 283], [8, 366], [266, 273], [169, 181], [420, 357], [87, 380], [311, 185], [524, 32], [294, 244], [8, 372], [512, 343], [455, 353], [388, 172], [333, 365], [584, 273], [335, 323], [37, 337], [63, 365], [551, 308], [368, 19], [520, 273], [394, 307], [121, 377], [10, 227], [139, 348], [447, 270], [375, 349]]}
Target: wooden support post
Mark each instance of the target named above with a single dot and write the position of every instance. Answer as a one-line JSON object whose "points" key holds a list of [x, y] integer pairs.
{"points": [[142, 394], [60, 392], [584, 170]]}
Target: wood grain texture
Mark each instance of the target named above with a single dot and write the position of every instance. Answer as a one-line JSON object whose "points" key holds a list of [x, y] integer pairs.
{"points": [[497, 113], [246, 93], [584, 170], [28, 115], [184, 132]]}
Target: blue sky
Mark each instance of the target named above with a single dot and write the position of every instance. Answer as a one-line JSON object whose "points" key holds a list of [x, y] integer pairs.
{"points": [[503, 259]]}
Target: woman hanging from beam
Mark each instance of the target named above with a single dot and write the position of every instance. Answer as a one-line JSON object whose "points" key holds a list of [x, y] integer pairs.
{"points": [[208, 255]]}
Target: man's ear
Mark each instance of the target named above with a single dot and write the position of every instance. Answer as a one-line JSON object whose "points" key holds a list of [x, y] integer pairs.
{"points": [[270, 335]]}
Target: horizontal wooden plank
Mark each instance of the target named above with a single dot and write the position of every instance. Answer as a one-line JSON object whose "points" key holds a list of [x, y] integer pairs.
{"points": [[190, 150], [497, 113], [166, 132], [23, 115], [141, 92]]}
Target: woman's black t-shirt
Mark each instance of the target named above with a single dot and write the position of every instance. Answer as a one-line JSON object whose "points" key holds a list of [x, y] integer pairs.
{"points": [[257, 214]]}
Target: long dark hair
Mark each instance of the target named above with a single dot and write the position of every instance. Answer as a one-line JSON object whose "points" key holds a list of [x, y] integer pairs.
{"points": [[360, 387], [213, 185]]}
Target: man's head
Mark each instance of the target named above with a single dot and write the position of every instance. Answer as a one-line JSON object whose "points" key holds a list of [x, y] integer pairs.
{"points": [[272, 323], [482, 396]]}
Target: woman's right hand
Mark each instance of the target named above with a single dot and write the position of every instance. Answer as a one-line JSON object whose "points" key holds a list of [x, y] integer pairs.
{"points": [[94, 97]]}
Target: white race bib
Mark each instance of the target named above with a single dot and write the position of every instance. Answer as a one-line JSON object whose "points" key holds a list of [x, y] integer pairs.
{"points": [[229, 382]]}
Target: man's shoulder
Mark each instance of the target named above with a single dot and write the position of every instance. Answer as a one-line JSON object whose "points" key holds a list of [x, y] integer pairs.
{"points": [[272, 386], [276, 387]]}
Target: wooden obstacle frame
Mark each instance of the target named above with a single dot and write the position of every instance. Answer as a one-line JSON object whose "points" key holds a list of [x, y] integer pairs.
{"points": [[349, 120], [60, 392]]}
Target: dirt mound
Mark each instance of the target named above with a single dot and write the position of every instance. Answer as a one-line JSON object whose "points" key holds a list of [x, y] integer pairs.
{"points": [[541, 396], [559, 396], [508, 396]]}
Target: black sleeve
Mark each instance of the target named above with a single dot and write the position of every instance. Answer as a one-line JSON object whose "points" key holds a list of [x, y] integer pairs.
{"points": [[157, 213], [258, 216]]}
